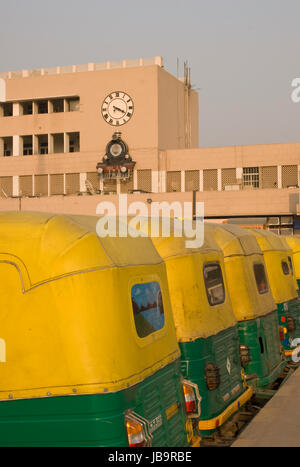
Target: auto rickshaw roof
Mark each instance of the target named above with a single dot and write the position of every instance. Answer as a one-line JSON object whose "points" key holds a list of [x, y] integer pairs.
{"points": [[194, 316], [293, 242], [268, 241], [79, 331], [233, 239], [172, 246], [52, 245]]}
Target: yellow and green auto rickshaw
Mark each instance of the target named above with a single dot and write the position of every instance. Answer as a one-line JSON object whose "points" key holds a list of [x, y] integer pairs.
{"points": [[88, 349], [294, 244], [253, 305], [279, 264], [206, 330]]}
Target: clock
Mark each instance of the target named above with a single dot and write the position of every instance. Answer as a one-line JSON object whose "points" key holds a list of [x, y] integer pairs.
{"points": [[117, 108]]}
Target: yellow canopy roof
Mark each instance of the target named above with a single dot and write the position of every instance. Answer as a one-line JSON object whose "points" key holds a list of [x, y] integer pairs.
{"points": [[276, 251], [234, 240], [51, 245], [66, 314], [294, 243], [194, 316], [268, 241], [242, 252]]}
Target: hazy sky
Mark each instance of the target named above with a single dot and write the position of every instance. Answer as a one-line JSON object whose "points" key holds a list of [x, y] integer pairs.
{"points": [[243, 54]]}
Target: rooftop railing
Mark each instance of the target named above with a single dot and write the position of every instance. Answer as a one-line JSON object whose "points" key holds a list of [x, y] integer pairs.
{"points": [[83, 68]]}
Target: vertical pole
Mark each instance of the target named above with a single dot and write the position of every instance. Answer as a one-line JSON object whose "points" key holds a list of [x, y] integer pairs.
{"points": [[194, 205]]}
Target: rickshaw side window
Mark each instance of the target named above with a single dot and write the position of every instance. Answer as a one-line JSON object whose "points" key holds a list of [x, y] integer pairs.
{"points": [[291, 265], [148, 309], [261, 278], [214, 284], [285, 268]]}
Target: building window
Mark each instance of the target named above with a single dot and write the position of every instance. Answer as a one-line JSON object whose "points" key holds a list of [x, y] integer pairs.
{"points": [[214, 284], [27, 150], [192, 180], [251, 177], [7, 109], [74, 142], [7, 146], [73, 104], [7, 152], [42, 107], [173, 181], [58, 143], [44, 148], [43, 144], [27, 108], [148, 310], [58, 105], [27, 145]]}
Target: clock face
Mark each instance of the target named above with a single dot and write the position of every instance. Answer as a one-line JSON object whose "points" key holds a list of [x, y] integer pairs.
{"points": [[117, 108]]}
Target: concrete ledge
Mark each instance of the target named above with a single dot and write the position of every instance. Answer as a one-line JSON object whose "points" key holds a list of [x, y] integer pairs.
{"points": [[278, 423]]}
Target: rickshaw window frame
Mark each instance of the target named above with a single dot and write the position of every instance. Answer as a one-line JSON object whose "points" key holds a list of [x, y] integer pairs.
{"points": [[157, 335], [265, 272], [288, 269], [215, 263], [291, 266]]}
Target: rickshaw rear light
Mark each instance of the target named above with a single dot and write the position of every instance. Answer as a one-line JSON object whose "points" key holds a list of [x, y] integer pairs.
{"points": [[190, 399], [245, 355], [290, 323], [281, 333], [135, 434], [212, 376]]}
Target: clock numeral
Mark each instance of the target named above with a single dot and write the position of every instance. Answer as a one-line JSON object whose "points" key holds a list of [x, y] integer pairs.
{"points": [[117, 94], [117, 122], [129, 114], [106, 116], [129, 100], [130, 108], [111, 120]]}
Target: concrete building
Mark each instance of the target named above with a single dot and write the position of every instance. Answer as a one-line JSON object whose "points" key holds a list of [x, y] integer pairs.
{"points": [[55, 125]]}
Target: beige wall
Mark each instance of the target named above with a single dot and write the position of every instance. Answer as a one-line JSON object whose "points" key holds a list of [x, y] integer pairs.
{"points": [[177, 113], [155, 93], [234, 156], [216, 204]]}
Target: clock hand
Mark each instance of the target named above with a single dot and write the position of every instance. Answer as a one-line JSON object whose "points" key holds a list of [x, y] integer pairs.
{"points": [[120, 110]]}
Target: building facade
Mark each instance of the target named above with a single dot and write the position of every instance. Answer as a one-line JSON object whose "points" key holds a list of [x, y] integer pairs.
{"points": [[55, 125]]}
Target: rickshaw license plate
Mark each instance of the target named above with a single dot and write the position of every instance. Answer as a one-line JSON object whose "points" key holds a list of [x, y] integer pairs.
{"points": [[155, 424], [172, 410]]}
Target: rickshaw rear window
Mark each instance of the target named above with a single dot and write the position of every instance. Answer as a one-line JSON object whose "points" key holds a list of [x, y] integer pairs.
{"points": [[285, 268], [148, 309], [214, 284], [291, 265], [261, 278]]}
